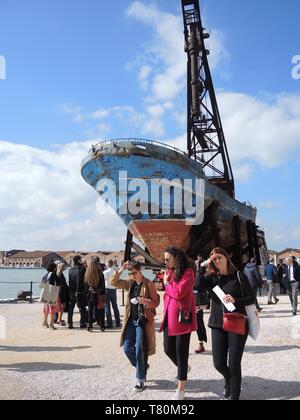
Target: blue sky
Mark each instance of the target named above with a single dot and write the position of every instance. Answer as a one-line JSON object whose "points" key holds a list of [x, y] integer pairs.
{"points": [[77, 71]]}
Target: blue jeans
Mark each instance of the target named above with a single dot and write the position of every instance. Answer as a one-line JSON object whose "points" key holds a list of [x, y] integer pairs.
{"points": [[135, 349], [111, 298]]}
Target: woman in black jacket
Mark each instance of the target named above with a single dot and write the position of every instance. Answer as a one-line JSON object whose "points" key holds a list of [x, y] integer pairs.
{"points": [[221, 272], [202, 302], [64, 294], [94, 279]]}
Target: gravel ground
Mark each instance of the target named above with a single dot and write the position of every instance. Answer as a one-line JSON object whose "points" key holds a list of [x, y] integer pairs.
{"points": [[38, 364]]}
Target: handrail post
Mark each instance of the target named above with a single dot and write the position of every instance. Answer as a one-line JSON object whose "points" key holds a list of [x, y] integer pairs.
{"points": [[31, 292]]}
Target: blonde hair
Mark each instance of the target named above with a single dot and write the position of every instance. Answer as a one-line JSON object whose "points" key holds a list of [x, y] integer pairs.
{"points": [[60, 268], [92, 277]]}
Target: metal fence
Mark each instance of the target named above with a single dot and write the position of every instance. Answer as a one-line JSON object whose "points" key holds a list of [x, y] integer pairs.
{"points": [[30, 283], [30, 292]]}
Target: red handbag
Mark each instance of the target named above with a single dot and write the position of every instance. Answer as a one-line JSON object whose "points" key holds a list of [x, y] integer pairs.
{"points": [[234, 323], [101, 302]]}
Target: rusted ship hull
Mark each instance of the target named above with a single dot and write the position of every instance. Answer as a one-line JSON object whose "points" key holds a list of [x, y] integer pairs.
{"points": [[148, 161]]}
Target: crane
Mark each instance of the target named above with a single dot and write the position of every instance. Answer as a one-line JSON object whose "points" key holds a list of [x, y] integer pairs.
{"points": [[205, 136]]}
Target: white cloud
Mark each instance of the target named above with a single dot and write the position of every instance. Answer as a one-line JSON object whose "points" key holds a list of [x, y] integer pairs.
{"points": [[257, 130], [219, 56], [154, 127], [242, 173], [167, 48], [161, 73], [74, 111], [46, 204], [156, 110], [167, 51], [100, 114], [267, 132], [143, 76], [100, 130]]}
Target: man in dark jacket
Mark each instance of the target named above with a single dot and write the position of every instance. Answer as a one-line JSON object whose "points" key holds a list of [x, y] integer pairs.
{"points": [[272, 277], [252, 272], [281, 271], [291, 278], [77, 292]]}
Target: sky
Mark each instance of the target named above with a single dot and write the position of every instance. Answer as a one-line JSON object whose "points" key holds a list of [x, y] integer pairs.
{"points": [[73, 73]]}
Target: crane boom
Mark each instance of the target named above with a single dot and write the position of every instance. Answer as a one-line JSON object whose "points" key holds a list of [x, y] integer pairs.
{"points": [[205, 136]]}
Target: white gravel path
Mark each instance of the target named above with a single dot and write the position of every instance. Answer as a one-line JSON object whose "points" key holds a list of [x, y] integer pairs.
{"points": [[39, 364]]}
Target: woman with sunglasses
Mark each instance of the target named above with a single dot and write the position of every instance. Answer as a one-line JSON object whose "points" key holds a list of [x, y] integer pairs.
{"points": [[220, 271], [179, 313], [138, 334]]}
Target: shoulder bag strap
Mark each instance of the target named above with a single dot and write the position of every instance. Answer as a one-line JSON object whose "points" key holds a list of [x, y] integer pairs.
{"points": [[239, 278]]}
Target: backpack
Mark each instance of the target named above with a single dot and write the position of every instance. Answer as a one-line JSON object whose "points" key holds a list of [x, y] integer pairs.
{"points": [[46, 278]]}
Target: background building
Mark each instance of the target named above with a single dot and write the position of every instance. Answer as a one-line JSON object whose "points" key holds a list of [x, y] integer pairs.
{"points": [[39, 259], [289, 252], [36, 259]]}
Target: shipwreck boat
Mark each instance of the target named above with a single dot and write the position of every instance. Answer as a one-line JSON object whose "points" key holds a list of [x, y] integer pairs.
{"points": [[134, 168], [148, 161]]}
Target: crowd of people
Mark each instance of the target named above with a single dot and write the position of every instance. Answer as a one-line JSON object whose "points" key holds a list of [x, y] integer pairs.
{"points": [[190, 288], [89, 288]]}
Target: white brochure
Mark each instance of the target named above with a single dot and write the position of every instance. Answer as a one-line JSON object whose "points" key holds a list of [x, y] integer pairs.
{"points": [[219, 292]]}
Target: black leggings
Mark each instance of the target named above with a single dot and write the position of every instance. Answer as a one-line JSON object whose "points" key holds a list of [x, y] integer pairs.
{"points": [[224, 343], [177, 349], [201, 330], [95, 313]]}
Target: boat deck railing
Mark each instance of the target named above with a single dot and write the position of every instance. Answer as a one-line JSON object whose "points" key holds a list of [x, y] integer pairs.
{"points": [[142, 142]]}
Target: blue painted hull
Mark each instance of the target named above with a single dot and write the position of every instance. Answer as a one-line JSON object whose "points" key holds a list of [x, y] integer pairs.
{"points": [[150, 161]]}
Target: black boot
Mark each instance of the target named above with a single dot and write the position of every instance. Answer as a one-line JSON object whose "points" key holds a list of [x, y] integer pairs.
{"points": [[234, 398], [227, 390]]}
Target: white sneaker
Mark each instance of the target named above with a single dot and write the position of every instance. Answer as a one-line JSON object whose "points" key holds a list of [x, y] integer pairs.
{"points": [[179, 396]]}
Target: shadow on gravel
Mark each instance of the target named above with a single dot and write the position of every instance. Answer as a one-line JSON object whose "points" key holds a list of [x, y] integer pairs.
{"points": [[194, 386], [269, 349], [44, 367], [16, 349], [254, 388]]}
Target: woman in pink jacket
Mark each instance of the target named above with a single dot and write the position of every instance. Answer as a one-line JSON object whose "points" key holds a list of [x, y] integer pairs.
{"points": [[179, 313]]}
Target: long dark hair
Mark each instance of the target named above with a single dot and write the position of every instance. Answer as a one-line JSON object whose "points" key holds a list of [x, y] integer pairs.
{"points": [[182, 262]]}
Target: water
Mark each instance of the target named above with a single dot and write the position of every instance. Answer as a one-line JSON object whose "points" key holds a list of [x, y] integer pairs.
{"points": [[10, 290]]}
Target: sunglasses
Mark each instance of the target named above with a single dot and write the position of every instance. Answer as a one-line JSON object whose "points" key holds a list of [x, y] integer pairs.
{"points": [[133, 273]]}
